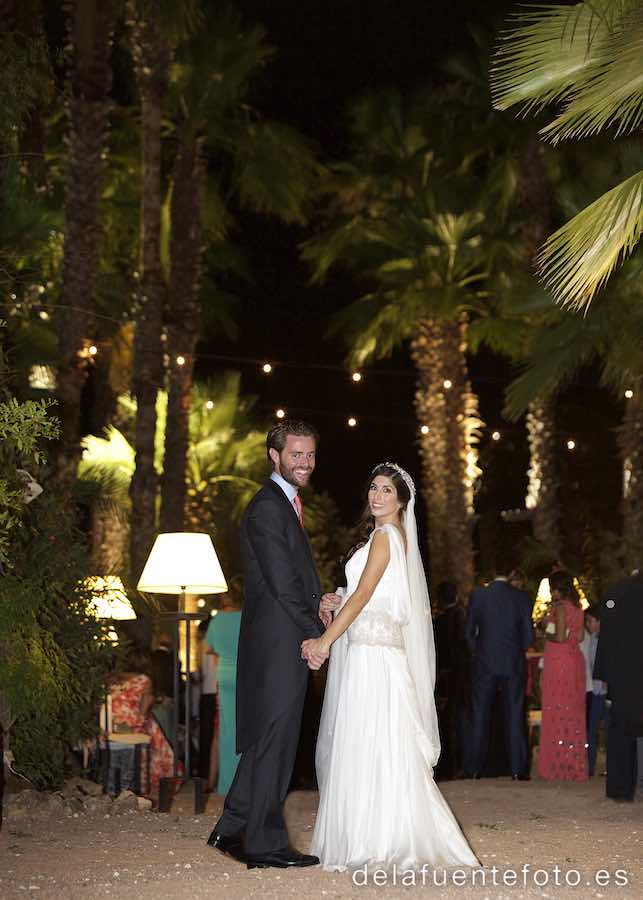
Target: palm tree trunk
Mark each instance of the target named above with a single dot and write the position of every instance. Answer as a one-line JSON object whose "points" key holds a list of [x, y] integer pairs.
{"points": [[445, 403], [542, 490], [631, 444], [110, 532], [152, 57], [183, 323], [91, 27], [543, 477]]}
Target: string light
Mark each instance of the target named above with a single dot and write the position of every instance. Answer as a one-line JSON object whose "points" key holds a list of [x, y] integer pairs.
{"points": [[571, 444], [356, 376], [209, 404], [44, 315], [495, 436], [352, 422], [629, 393], [93, 350], [447, 384], [424, 429], [200, 602], [180, 360], [266, 368], [281, 413]]}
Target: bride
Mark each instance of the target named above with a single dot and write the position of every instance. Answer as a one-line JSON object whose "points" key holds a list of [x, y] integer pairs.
{"points": [[378, 739]]}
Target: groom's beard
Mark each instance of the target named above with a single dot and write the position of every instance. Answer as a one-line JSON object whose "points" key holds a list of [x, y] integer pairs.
{"points": [[298, 480]]}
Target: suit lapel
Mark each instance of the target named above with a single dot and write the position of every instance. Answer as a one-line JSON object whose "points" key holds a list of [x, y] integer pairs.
{"points": [[274, 487]]}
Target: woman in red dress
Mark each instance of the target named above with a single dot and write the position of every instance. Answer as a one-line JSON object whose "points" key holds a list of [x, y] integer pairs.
{"points": [[132, 698], [563, 738]]}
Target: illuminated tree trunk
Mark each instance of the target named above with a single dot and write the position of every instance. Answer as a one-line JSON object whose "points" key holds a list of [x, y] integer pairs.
{"points": [[182, 332], [152, 64], [91, 25], [631, 445], [543, 482], [446, 405]]}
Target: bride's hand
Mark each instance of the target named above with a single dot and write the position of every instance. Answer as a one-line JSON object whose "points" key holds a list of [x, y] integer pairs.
{"points": [[314, 652]]}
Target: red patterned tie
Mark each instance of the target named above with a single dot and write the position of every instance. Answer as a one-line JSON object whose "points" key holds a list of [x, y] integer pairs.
{"points": [[299, 506]]}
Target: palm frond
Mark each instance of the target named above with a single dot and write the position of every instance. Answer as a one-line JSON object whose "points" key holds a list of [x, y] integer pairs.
{"points": [[613, 94], [577, 260], [548, 52]]}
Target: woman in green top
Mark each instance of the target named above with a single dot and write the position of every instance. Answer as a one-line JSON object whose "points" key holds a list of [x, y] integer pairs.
{"points": [[223, 637]]}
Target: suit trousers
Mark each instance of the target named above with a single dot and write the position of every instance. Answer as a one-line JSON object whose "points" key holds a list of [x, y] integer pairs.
{"points": [[254, 803], [484, 686], [622, 760], [597, 712]]}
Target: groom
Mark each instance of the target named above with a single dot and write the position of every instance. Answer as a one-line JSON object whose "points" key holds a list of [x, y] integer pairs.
{"points": [[281, 609]]}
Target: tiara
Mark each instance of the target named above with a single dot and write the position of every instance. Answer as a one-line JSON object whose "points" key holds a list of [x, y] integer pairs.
{"points": [[402, 472]]}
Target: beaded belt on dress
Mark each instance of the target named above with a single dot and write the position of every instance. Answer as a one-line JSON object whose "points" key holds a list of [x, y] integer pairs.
{"points": [[376, 629]]}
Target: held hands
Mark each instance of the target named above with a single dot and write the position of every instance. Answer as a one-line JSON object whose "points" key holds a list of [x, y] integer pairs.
{"points": [[315, 653]]}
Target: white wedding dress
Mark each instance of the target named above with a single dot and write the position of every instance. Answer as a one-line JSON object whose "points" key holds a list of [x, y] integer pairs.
{"points": [[378, 741]]}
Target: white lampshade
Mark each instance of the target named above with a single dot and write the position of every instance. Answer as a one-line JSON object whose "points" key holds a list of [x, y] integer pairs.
{"points": [[183, 562], [109, 598]]}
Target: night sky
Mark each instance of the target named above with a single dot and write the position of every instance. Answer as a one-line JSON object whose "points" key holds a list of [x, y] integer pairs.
{"points": [[329, 52]]}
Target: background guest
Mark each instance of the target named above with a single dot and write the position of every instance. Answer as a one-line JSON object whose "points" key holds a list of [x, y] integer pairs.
{"points": [[453, 680], [223, 639], [563, 741], [132, 698], [208, 705], [597, 702], [619, 662], [499, 631]]}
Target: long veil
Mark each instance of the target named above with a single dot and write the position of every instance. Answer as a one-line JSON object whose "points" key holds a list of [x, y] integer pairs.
{"points": [[418, 633]]}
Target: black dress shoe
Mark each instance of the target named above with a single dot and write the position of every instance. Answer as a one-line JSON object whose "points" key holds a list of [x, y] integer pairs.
{"points": [[521, 778], [281, 859], [231, 846]]}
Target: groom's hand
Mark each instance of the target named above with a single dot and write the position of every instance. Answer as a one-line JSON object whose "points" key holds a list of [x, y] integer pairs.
{"points": [[314, 655]]}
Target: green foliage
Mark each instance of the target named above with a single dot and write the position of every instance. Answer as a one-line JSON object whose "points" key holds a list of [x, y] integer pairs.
{"points": [[24, 80], [23, 428], [54, 654], [590, 56]]}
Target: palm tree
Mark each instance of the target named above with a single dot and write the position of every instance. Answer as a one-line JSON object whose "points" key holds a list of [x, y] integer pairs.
{"points": [[157, 26], [262, 165], [561, 348], [226, 457], [413, 226], [587, 59], [91, 25]]}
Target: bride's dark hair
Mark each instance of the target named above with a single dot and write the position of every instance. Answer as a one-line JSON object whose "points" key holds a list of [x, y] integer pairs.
{"points": [[366, 523]]}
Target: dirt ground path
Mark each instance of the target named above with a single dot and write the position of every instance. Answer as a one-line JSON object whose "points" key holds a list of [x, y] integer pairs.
{"points": [[148, 856]]}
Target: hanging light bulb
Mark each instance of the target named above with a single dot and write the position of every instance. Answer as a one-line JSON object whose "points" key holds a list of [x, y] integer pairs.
{"points": [[571, 444], [496, 436], [447, 384], [424, 429], [352, 422], [280, 413], [629, 393], [356, 377], [209, 404], [266, 368], [93, 350], [200, 602], [180, 360]]}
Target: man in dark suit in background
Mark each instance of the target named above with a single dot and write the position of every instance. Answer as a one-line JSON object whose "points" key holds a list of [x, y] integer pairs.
{"points": [[499, 631], [619, 662], [281, 609]]}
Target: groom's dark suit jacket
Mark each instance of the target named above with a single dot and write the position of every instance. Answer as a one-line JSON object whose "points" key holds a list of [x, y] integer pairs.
{"points": [[280, 610]]}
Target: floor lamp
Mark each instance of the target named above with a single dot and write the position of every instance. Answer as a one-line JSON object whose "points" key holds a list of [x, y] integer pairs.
{"points": [[183, 563]]}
